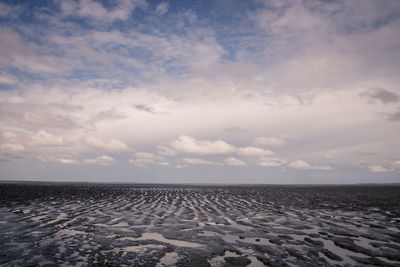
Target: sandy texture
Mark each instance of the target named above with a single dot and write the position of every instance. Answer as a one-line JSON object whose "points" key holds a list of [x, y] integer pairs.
{"points": [[182, 225]]}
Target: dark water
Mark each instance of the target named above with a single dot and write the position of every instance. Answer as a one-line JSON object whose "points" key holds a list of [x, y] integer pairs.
{"points": [[186, 225]]}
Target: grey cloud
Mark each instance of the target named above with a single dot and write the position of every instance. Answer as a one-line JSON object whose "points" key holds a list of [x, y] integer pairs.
{"points": [[394, 116], [109, 114], [382, 95], [65, 107], [146, 108]]}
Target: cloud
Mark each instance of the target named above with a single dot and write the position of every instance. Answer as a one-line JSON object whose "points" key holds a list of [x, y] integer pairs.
{"points": [[13, 148], [10, 156], [143, 159], [251, 151], [383, 95], [396, 164], [145, 108], [113, 145], [26, 56], [377, 168], [181, 166], [37, 139], [101, 160], [270, 162], [7, 79], [394, 116], [101, 68], [268, 141], [107, 115], [234, 162], [43, 138], [97, 11], [9, 136], [368, 152], [35, 116], [198, 161], [189, 145], [325, 45], [162, 8], [59, 160], [9, 10], [165, 150], [302, 165]]}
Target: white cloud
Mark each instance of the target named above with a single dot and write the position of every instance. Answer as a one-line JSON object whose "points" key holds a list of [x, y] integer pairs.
{"points": [[22, 55], [43, 138], [59, 160], [189, 145], [95, 10], [268, 141], [113, 145], [145, 158], [198, 161], [181, 166], [231, 161], [377, 168], [165, 151], [270, 162], [397, 163], [251, 151], [162, 8], [9, 136], [13, 148], [302, 165], [101, 160]]}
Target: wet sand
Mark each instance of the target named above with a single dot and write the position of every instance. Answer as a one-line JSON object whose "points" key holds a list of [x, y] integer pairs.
{"points": [[44, 224]]}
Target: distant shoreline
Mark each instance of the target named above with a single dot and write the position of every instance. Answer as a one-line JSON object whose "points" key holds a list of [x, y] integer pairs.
{"points": [[185, 184]]}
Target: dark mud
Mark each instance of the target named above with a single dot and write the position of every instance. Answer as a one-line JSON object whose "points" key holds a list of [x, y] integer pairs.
{"points": [[181, 225]]}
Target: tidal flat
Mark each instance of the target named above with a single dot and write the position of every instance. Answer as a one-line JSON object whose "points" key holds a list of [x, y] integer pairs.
{"points": [[76, 224]]}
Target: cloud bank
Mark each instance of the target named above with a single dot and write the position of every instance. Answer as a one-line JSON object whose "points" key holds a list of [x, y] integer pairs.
{"points": [[267, 92]]}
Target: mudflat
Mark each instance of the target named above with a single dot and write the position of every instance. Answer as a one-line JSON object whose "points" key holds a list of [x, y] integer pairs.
{"points": [[49, 224]]}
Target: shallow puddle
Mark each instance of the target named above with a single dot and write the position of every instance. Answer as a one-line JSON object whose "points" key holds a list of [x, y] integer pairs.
{"points": [[161, 238]]}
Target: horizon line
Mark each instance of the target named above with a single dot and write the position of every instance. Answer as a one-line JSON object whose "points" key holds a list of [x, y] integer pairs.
{"points": [[180, 183]]}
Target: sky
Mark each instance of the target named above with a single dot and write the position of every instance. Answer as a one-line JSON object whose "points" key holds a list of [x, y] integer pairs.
{"points": [[227, 91]]}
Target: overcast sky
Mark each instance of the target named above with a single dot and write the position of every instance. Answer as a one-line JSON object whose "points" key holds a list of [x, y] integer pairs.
{"points": [[200, 91]]}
